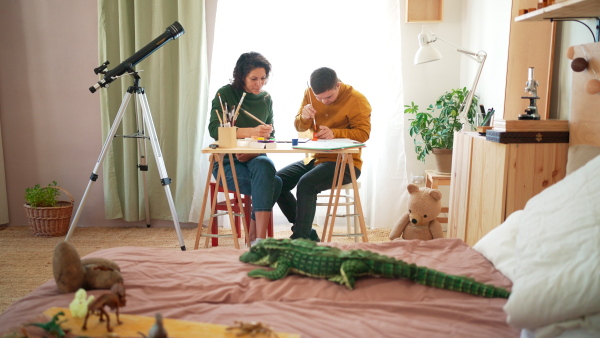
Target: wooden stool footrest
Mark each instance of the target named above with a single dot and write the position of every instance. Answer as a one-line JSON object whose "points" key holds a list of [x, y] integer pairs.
{"points": [[345, 215], [217, 235], [347, 235]]}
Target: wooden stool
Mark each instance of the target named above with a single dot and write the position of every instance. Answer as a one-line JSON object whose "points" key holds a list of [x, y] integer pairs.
{"points": [[348, 202], [433, 181], [222, 206]]}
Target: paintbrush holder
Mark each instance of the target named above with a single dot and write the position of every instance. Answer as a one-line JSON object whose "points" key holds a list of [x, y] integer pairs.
{"points": [[227, 137]]}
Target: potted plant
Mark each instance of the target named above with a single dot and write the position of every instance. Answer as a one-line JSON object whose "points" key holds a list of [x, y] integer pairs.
{"points": [[434, 132], [47, 216]]}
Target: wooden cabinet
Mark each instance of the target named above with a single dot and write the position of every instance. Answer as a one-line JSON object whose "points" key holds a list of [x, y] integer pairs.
{"points": [[492, 180], [424, 10]]}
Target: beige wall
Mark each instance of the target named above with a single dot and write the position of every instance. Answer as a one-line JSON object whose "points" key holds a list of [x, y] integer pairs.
{"points": [[473, 25], [50, 121]]}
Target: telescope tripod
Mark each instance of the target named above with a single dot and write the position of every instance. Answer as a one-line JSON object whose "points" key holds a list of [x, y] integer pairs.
{"points": [[146, 117]]}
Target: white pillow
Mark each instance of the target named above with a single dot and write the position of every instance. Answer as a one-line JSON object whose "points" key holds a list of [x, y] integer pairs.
{"points": [[498, 245], [557, 276]]}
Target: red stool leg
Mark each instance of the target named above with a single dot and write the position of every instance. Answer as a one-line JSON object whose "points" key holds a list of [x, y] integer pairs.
{"points": [[270, 228]]}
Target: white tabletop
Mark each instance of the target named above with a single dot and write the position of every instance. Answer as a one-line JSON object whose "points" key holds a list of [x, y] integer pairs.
{"points": [[280, 148]]}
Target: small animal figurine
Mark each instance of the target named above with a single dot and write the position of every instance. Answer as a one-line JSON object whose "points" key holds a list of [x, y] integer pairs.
{"points": [[52, 326], [157, 330], [79, 305], [114, 300], [252, 329]]}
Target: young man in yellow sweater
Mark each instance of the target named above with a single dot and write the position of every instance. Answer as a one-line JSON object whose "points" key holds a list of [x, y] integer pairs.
{"points": [[339, 111]]}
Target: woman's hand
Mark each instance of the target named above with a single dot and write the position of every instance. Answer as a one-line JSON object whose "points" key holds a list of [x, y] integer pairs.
{"points": [[264, 130], [308, 112], [245, 157]]}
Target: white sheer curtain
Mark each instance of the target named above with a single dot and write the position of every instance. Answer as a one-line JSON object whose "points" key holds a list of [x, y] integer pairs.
{"points": [[360, 40]]}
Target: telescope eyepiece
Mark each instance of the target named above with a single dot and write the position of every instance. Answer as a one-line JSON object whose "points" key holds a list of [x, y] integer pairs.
{"points": [[101, 68], [175, 30]]}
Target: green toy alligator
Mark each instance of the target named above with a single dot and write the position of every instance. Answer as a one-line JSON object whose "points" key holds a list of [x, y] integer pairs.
{"points": [[305, 257]]}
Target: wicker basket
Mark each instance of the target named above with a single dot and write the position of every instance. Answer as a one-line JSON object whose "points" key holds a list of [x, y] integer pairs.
{"points": [[50, 221]]}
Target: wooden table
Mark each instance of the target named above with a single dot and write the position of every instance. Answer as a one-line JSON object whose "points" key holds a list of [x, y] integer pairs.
{"points": [[433, 180], [218, 154]]}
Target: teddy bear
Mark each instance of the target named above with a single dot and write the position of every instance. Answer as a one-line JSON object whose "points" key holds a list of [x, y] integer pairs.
{"points": [[424, 205], [72, 273]]}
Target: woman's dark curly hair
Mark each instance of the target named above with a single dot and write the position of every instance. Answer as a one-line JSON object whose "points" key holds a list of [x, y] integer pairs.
{"points": [[245, 64]]}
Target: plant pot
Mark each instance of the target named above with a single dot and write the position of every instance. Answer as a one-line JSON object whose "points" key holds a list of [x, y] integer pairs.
{"points": [[443, 160], [50, 221]]}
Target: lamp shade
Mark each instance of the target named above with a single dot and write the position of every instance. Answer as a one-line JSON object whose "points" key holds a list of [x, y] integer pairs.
{"points": [[426, 52]]}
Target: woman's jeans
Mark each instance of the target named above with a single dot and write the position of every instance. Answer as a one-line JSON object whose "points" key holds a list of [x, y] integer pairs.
{"points": [[255, 178], [310, 179]]}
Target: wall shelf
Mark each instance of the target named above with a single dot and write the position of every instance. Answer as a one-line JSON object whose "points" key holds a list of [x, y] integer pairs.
{"points": [[564, 9], [424, 11]]}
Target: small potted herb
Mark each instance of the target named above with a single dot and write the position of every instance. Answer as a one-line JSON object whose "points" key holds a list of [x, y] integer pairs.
{"points": [[47, 216], [42, 196]]}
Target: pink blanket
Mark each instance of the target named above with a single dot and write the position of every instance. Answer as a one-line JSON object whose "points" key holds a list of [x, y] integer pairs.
{"points": [[211, 285]]}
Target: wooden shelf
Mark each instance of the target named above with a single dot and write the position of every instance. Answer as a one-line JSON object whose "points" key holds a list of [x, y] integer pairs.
{"points": [[564, 9], [424, 11]]}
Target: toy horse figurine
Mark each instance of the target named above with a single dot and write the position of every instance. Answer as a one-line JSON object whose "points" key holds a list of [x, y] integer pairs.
{"points": [[114, 300]]}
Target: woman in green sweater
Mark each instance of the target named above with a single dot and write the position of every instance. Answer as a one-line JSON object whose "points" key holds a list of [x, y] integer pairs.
{"points": [[255, 172]]}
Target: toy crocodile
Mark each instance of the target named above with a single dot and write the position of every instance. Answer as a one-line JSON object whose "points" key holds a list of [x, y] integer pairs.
{"points": [[305, 257]]}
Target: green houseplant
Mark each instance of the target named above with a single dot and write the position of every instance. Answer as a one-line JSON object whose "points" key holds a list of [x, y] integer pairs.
{"points": [[42, 196], [46, 215], [436, 131]]}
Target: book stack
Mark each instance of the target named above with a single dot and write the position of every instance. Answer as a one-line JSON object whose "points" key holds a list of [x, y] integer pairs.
{"points": [[529, 131]]}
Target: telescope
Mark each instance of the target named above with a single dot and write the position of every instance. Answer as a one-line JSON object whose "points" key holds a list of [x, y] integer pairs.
{"points": [[171, 33]]}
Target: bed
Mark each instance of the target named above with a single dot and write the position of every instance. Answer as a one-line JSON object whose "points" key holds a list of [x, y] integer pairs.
{"points": [[211, 286], [547, 255]]}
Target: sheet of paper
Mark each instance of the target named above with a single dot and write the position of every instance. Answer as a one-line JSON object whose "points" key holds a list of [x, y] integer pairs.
{"points": [[329, 144]]}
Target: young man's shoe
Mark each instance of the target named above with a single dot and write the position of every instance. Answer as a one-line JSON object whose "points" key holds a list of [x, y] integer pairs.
{"points": [[313, 236]]}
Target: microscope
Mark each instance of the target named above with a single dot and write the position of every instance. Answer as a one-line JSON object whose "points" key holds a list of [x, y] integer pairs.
{"points": [[531, 113]]}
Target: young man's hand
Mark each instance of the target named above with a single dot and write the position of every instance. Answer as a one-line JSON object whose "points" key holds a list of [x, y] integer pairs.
{"points": [[308, 112], [324, 133]]}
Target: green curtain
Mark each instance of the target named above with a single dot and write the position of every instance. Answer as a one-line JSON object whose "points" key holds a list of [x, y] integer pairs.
{"points": [[176, 83]]}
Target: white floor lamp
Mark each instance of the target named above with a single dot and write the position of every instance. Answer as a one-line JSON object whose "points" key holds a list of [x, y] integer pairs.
{"points": [[428, 53]]}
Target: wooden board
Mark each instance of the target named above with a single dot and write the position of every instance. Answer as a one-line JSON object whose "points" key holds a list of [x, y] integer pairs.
{"points": [[528, 125], [134, 324], [585, 108], [459, 194], [527, 136], [564, 9], [531, 44], [532, 168], [424, 10]]}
